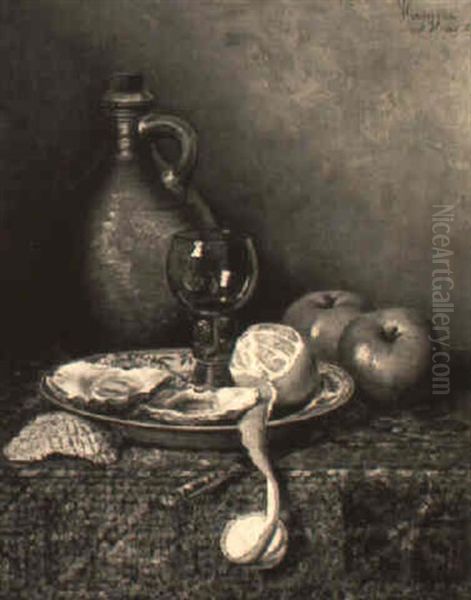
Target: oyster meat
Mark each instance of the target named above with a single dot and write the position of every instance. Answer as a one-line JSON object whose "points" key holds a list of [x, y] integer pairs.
{"points": [[191, 406], [107, 389]]}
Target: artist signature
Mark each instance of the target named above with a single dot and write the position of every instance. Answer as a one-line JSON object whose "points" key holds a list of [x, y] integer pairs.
{"points": [[432, 19]]}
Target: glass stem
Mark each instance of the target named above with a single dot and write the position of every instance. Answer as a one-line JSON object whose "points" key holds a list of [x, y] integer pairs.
{"points": [[213, 338]]}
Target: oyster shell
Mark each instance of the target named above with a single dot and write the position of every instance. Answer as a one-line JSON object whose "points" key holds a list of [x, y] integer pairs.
{"points": [[191, 406], [105, 388], [64, 434]]}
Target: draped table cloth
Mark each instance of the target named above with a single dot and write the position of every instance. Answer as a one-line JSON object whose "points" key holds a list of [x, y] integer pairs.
{"points": [[376, 505]]}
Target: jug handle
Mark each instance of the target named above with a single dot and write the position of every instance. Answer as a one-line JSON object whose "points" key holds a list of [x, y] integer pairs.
{"points": [[158, 126]]}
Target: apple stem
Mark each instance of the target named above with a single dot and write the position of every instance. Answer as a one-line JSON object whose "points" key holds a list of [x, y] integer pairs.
{"points": [[329, 301], [391, 333]]}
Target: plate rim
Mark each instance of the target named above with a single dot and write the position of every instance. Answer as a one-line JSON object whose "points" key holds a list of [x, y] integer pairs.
{"points": [[294, 418]]}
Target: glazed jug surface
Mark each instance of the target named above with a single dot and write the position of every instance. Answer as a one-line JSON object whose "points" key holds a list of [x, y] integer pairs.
{"points": [[140, 200]]}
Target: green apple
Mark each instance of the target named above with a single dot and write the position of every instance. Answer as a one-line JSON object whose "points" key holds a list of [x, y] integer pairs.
{"points": [[321, 318], [387, 352]]}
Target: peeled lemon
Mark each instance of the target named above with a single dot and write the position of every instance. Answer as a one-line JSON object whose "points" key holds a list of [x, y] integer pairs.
{"points": [[277, 353]]}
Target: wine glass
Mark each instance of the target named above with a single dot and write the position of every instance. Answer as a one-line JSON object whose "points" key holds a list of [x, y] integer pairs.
{"points": [[212, 273]]}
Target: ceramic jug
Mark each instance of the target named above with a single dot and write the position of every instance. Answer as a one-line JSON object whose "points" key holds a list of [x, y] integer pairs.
{"points": [[139, 201]]}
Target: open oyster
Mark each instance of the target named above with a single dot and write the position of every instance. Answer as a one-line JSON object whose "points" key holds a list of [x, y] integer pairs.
{"points": [[191, 406], [107, 389]]}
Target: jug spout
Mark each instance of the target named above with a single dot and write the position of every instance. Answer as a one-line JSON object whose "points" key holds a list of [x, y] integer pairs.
{"points": [[127, 90]]}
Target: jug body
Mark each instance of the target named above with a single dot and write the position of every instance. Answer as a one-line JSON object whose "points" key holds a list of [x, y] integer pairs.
{"points": [[139, 202]]}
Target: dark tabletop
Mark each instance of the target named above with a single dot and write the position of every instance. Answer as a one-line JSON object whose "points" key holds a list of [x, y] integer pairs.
{"points": [[376, 503]]}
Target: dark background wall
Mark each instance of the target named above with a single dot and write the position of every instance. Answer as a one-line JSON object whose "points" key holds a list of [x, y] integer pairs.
{"points": [[329, 128]]}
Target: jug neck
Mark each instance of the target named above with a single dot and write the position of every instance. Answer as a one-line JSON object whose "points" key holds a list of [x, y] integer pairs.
{"points": [[125, 102], [126, 138]]}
